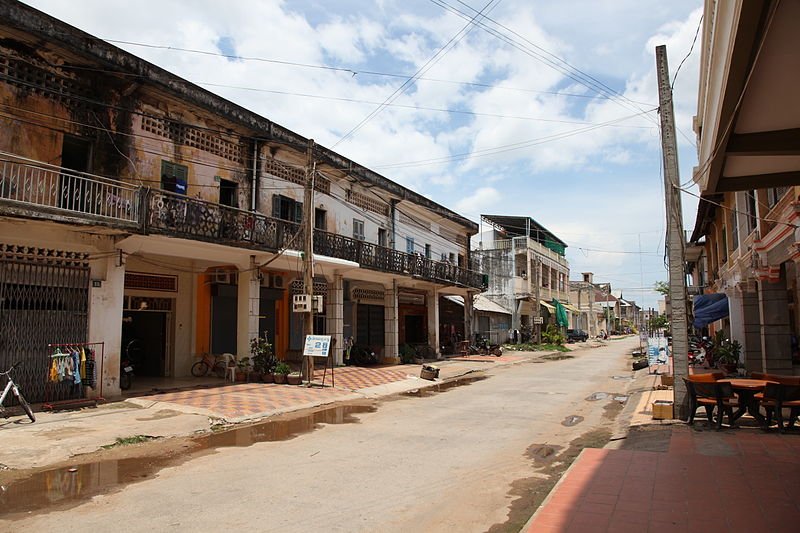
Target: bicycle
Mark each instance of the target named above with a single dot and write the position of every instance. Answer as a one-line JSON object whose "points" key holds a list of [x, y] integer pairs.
{"points": [[209, 363], [13, 387]]}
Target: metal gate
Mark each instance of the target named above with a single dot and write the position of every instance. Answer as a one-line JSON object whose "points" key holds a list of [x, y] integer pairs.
{"points": [[44, 298]]}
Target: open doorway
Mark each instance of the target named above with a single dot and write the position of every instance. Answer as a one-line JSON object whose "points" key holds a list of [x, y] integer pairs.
{"points": [[144, 341]]}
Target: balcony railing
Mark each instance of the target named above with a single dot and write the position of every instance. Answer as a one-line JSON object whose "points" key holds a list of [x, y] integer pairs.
{"points": [[57, 191], [45, 190]]}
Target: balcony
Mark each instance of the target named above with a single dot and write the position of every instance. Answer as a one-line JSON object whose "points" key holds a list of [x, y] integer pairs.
{"points": [[32, 189], [39, 190]]}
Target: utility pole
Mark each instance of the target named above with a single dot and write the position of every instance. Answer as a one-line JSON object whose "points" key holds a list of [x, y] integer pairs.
{"points": [[308, 254], [675, 237], [537, 309]]}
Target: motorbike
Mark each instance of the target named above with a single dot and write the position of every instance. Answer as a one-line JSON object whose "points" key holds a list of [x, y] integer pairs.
{"points": [[700, 352], [125, 374]]}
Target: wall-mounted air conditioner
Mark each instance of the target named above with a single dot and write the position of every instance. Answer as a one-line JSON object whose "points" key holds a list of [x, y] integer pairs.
{"points": [[222, 277]]}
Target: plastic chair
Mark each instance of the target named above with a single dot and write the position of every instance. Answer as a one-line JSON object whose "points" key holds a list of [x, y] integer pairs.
{"points": [[230, 366]]}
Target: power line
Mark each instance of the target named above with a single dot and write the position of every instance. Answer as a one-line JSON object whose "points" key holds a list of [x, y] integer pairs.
{"points": [[697, 31], [420, 71]]}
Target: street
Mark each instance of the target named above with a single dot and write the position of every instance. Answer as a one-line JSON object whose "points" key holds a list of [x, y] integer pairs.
{"points": [[457, 460]]}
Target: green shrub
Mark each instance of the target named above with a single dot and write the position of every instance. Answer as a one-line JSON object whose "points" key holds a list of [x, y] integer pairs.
{"points": [[553, 335], [283, 368]]}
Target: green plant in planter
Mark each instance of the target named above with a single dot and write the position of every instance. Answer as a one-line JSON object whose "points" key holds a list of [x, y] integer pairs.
{"points": [[553, 335], [281, 371], [264, 360], [407, 354], [727, 351]]}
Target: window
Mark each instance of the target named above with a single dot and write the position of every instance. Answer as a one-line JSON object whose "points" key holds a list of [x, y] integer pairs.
{"points": [[427, 251], [460, 261], [382, 238], [452, 258], [734, 231], [227, 193], [286, 208], [320, 221], [409, 245], [724, 246], [444, 257], [752, 214], [358, 229], [174, 177], [775, 194]]}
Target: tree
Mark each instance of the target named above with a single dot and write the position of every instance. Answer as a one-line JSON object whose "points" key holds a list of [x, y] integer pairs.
{"points": [[661, 287], [658, 322]]}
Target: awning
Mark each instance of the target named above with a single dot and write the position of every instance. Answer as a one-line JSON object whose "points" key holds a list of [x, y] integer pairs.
{"points": [[548, 307], [709, 308], [572, 308], [480, 303], [561, 313]]}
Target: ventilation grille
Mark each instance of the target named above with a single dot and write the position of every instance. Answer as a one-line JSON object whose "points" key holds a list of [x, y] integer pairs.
{"points": [[194, 137], [367, 202], [320, 287], [367, 294], [151, 282], [47, 256], [38, 80], [295, 175]]}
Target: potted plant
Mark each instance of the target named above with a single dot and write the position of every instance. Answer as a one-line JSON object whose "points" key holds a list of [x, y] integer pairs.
{"points": [[727, 353], [263, 358], [281, 371], [294, 378], [242, 369]]}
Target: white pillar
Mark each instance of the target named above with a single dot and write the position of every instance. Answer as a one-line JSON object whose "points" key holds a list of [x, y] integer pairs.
{"points": [[335, 313], [390, 326], [248, 306], [105, 321], [432, 297]]}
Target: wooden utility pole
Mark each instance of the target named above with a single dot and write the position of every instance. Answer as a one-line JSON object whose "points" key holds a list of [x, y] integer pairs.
{"points": [[675, 237], [308, 254]]}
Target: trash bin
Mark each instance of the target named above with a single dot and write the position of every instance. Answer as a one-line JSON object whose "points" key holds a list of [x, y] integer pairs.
{"points": [[430, 372]]}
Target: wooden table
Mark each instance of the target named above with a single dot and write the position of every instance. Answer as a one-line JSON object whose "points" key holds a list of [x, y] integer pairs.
{"points": [[745, 389]]}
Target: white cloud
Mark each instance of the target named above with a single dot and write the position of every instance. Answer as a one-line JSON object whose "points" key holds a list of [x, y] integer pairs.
{"points": [[481, 201]]}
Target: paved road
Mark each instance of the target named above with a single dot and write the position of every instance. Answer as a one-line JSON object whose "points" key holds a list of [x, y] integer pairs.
{"points": [[445, 462]]}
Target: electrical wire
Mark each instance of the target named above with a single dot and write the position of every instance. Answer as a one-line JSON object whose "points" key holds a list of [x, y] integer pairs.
{"points": [[696, 33], [463, 32], [731, 209]]}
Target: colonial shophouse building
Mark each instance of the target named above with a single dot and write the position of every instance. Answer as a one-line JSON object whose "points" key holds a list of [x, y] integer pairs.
{"points": [[136, 206]]}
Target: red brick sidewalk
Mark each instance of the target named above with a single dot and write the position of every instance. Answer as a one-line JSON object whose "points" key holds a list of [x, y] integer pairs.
{"points": [[248, 399], [736, 481], [355, 377], [488, 358]]}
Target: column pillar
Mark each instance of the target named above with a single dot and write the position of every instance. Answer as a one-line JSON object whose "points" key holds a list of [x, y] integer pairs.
{"points": [[751, 328], [335, 313], [390, 318], [432, 301], [248, 306], [105, 321], [775, 328]]}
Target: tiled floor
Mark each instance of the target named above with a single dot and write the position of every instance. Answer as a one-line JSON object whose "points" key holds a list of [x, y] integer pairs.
{"points": [[354, 377], [232, 401], [736, 481], [246, 399]]}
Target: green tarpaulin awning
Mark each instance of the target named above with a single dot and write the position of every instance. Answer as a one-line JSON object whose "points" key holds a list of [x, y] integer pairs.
{"points": [[561, 313]]}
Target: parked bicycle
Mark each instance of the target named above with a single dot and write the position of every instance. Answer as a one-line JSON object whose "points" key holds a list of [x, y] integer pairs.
{"points": [[13, 387], [209, 363]]}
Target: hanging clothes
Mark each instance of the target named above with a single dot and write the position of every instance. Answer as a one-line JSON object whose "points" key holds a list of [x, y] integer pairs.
{"points": [[76, 367], [83, 362]]}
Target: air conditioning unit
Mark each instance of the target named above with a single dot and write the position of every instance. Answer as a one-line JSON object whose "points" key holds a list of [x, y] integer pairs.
{"points": [[276, 281], [221, 277], [301, 303]]}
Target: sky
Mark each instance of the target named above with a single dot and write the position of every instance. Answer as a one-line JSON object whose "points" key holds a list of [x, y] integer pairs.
{"points": [[515, 107]]}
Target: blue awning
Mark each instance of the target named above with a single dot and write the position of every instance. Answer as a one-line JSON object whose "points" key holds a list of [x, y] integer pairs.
{"points": [[708, 308]]}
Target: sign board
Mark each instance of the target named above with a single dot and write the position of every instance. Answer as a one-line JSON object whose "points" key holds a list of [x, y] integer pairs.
{"points": [[538, 320], [317, 345]]}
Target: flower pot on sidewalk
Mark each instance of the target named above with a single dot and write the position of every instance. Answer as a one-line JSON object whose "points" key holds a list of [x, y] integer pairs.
{"points": [[294, 378], [268, 377], [280, 379]]}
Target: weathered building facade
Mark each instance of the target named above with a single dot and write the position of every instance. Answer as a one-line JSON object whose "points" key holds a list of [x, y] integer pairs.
{"points": [[748, 131], [138, 207], [526, 267]]}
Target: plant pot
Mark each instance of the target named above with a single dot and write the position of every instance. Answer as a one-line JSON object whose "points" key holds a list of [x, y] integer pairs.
{"points": [[241, 376], [294, 379], [730, 368], [254, 377], [267, 377], [280, 378]]}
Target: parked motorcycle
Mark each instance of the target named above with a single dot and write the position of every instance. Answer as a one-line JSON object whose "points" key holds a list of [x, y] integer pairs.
{"points": [[125, 374]]}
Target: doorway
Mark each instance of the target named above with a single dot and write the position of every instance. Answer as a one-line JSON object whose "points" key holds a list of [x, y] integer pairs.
{"points": [[144, 341]]}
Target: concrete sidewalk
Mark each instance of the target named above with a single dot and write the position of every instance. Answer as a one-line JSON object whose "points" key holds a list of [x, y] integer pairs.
{"points": [[57, 436]]}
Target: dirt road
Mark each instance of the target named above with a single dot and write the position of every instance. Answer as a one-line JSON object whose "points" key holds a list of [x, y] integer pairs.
{"points": [[472, 458]]}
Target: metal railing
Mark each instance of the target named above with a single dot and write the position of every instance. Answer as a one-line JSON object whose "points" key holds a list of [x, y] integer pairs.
{"points": [[49, 190], [56, 190]]}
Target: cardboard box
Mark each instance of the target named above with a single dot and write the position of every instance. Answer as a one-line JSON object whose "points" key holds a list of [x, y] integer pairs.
{"points": [[668, 380], [662, 410]]}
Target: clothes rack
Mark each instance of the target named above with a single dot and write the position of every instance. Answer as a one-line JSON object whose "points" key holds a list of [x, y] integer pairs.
{"points": [[60, 358]]}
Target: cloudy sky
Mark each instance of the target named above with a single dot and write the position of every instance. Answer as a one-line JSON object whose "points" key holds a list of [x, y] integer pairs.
{"points": [[523, 107]]}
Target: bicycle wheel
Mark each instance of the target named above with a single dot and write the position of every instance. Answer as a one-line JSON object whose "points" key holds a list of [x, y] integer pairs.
{"points": [[200, 369], [27, 408], [220, 369]]}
